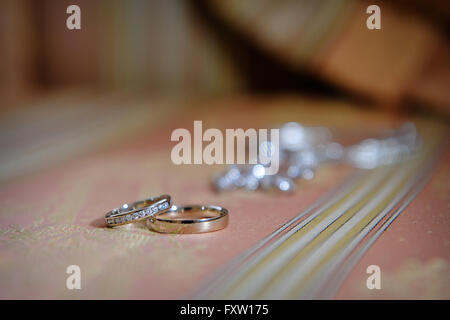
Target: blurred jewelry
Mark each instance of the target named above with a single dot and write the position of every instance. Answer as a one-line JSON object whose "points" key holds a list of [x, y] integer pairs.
{"points": [[304, 149], [189, 219], [137, 211]]}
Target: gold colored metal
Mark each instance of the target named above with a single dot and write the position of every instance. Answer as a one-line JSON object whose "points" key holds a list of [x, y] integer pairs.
{"points": [[189, 219]]}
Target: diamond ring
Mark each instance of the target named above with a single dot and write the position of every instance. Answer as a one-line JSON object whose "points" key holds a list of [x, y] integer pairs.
{"points": [[138, 211]]}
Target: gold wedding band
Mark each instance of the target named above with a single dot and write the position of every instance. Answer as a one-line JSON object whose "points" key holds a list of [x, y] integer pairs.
{"points": [[189, 219]]}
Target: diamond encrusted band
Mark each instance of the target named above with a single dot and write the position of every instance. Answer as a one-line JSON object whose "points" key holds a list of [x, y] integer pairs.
{"points": [[137, 211]]}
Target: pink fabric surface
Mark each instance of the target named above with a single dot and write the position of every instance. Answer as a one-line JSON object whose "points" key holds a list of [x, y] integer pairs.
{"points": [[414, 252], [53, 218]]}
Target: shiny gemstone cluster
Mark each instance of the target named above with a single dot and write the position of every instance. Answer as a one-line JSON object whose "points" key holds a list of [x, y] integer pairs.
{"points": [[137, 215], [304, 149]]}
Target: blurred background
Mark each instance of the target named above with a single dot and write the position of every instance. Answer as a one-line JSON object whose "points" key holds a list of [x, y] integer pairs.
{"points": [[86, 118], [66, 91], [183, 47]]}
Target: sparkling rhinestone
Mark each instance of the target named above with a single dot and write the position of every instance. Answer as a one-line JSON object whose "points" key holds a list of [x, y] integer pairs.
{"points": [[222, 183], [233, 172], [252, 183], [293, 136], [258, 171], [293, 171], [285, 184], [135, 216], [163, 206], [128, 217], [308, 174], [142, 213], [155, 209]]}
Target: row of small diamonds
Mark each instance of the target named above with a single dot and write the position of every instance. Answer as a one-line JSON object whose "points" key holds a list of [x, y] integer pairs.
{"points": [[139, 214]]}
